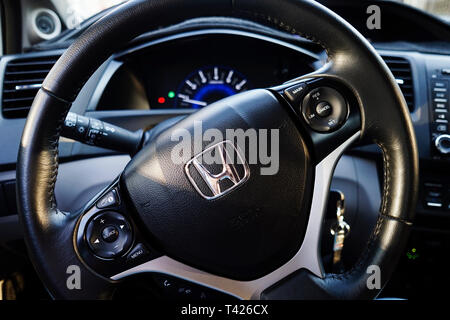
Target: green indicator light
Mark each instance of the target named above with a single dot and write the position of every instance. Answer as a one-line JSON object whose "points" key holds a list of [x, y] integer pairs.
{"points": [[171, 94], [412, 255]]}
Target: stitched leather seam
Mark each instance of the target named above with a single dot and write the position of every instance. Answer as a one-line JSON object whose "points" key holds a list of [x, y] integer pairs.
{"points": [[359, 264], [380, 220], [55, 96], [386, 175], [280, 24], [386, 183], [53, 149], [408, 223]]}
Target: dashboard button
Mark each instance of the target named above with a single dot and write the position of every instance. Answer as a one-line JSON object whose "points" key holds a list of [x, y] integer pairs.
{"points": [[439, 84], [442, 128], [438, 95], [433, 203]]}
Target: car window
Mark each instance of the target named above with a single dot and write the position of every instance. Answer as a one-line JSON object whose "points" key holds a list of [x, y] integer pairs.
{"points": [[440, 8], [74, 12]]}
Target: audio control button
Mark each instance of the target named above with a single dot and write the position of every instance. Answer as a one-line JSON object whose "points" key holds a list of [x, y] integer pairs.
{"points": [[109, 235], [442, 143]]}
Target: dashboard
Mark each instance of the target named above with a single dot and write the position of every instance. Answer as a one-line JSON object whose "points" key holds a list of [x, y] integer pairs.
{"points": [[199, 69], [176, 71]]}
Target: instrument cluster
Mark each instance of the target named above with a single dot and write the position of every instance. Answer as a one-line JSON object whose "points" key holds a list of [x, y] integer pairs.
{"points": [[192, 72]]}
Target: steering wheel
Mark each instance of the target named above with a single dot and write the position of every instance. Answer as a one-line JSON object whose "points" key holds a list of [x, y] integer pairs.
{"points": [[259, 240]]}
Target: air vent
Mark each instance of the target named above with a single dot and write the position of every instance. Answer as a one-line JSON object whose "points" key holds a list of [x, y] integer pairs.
{"points": [[401, 69], [21, 82]]}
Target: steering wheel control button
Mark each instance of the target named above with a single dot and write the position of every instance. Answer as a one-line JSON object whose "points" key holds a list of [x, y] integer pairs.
{"points": [[295, 93], [139, 252], [324, 109], [108, 200], [109, 235]]}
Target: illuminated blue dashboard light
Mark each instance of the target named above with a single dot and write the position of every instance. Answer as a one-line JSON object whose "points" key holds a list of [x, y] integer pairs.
{"points": [[213, 88]]}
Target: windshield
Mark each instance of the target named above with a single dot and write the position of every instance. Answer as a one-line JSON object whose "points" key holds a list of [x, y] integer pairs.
{"points": [[439, 8], [74, 12]]}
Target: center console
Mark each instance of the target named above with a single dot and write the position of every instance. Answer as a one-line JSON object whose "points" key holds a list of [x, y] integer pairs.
{"points": [[430, 237], [439, 97]]}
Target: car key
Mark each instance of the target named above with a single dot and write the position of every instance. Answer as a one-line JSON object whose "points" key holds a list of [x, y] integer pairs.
{"points": [[340, 231]]}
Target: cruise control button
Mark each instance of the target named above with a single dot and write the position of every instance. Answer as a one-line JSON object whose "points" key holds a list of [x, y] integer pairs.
{"points": [[110, 234], [108, 200], [323, 109], [295, 92]]}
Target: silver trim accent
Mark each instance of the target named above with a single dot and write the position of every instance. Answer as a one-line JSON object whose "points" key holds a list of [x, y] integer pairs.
{"points": [[438, 144], [434, 204], [228, 170], [307, 257], [110, 68], [34, 33], [27, 86]]}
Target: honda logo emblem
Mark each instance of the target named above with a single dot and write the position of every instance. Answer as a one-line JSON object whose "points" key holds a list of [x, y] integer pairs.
{"points": [[227, 179]]}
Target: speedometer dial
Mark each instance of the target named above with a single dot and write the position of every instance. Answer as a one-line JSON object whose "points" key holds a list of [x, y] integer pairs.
{"points": [[208, 85]]}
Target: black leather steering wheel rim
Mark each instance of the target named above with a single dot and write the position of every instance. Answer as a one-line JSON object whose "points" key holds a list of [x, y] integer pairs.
{"points": [[385, 121]]}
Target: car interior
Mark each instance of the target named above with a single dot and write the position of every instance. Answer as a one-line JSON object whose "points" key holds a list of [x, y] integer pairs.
{"points": [[93, 205]]}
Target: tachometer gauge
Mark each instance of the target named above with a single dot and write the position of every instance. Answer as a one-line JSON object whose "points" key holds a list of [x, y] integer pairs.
{"points": [[208, 85]]}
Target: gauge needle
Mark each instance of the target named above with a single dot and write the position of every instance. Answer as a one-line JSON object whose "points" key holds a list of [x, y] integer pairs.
{"points": [[191, 101]]}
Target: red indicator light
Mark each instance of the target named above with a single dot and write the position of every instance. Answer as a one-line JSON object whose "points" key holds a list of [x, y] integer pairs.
{"points": [[161, 100]]}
